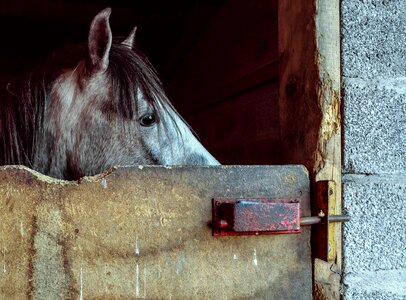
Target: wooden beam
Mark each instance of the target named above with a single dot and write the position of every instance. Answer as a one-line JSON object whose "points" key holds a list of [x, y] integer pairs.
{"points": [[310, 103], [328, 154]]}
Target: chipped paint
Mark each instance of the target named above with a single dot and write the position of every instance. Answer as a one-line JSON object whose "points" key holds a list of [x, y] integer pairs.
{"points": [[254, 257], [137, 284], [104, 183], [332, 117], [330, 103], [21, 229], [137, 268], [81, 283]]}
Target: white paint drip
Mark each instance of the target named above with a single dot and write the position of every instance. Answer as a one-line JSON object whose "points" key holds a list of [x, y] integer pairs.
{"points": [[137, 250], [137, 271], [137, 287], [21, 229], [81, 283], [104, 183], [235, 256], [254, 258]]}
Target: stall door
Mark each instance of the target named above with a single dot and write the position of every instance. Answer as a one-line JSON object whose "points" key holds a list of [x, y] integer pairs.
{"points": [[146, 232]]}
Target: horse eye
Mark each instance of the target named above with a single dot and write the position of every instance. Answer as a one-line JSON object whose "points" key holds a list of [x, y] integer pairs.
{"points": [[147, 120]]}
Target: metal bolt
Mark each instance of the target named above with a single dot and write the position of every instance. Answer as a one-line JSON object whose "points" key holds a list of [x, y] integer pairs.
{"points": [[317, 220], [222, 224]]}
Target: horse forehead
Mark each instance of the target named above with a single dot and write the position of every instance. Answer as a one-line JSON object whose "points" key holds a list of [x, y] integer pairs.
{"points": [[72, 84], [142, 102]]}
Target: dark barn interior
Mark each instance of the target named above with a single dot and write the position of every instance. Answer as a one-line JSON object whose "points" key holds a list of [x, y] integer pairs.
{"points": [[218, 61]]}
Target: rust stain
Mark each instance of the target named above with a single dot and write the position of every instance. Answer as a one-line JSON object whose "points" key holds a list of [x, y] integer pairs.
{"points": [[65, 242], [66, 245], [32, 252]]}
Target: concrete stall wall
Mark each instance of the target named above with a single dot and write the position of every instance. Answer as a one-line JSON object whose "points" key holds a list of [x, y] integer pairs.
{"points": [[374, 164]]}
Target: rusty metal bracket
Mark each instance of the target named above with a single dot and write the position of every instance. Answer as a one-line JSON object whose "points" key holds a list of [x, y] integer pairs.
{"points": [[323, 242]]}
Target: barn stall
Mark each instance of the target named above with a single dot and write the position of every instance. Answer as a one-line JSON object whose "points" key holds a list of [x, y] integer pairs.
{"points": [[259, 81]]}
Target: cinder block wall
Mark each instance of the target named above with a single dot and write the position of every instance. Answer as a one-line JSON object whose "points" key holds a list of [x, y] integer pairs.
{"points": [[374, 166]]}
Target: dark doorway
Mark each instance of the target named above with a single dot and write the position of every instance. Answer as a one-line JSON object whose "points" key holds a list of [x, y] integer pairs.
{"points": [[217, 59]]}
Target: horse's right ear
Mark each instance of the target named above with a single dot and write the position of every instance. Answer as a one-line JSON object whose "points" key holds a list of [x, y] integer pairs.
{"points": [[100, 39]]}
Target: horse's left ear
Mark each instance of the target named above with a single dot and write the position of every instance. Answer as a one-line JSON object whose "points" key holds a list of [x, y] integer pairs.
{"points": [[100, 39], [130, 40]]}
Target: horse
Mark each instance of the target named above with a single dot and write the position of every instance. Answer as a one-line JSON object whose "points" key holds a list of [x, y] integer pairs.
{"points": [[92, 107]]}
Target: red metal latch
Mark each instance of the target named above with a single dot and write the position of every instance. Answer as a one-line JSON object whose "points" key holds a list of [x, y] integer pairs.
{"points": [[261, 216], [255, 216]]}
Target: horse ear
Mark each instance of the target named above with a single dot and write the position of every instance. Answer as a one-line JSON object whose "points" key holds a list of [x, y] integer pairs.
{"points": [[100, 39], [130, 40]]}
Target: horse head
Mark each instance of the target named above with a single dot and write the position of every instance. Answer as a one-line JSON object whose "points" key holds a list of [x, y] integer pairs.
{"points": [[109, 109]]}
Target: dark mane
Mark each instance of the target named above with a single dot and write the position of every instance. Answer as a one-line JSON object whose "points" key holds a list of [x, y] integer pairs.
{"points": [[22, 104], [23, 101]]}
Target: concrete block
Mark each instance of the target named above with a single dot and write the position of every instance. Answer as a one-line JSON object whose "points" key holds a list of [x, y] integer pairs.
{"points": [[385, 284], [375, 126], [375, 238], [354, 294], [373, 38]]}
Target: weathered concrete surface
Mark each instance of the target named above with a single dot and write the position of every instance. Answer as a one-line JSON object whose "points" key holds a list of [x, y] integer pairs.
{"points": [[374, 70], [375, 238], [377, 284], [375, 126], [373, 38], [143, 233]]}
